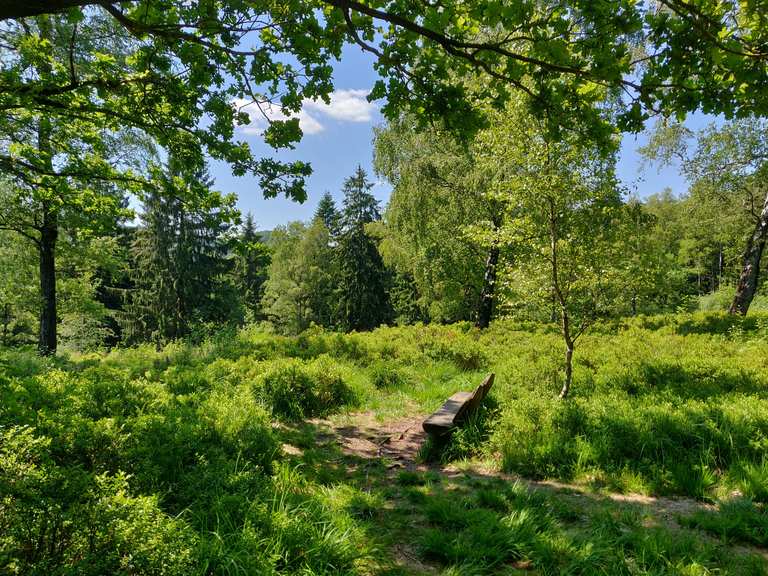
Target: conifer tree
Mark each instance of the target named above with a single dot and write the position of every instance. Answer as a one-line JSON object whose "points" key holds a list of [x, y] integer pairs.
{"points": [[180, 259], [360, 206], [328, 214], [152, 308], [363, 299], [251, 269]]}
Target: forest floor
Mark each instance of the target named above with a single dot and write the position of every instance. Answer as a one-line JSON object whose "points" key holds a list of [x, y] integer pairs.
{"points": [[411, 495], [253, 453]]}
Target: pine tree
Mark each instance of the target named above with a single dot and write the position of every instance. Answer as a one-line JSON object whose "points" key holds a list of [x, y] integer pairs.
{"points": [[328, 214], [360, 206], [363, 300], [180, 260], [251, 269]]}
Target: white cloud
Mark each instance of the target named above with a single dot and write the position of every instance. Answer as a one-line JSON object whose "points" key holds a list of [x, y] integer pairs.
{"points": [[262, 114], [345, 106]]}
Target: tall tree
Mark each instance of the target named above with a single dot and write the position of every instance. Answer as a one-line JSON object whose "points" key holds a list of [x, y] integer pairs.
{"points": [[302, 276], [727, 168], [441, 225], [251, 266], [359, 206], [562, 203], [180, 258], [64, 173], [363, 300], [328, 214]]}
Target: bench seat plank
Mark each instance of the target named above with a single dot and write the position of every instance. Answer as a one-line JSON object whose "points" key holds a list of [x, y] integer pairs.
{"points": [[450, 414], [445, 418]]}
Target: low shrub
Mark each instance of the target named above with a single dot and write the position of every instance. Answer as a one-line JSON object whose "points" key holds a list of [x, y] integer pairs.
{"points": [[166, 461], [296, 389], [461, 349], [385, 374], [69, 521]]}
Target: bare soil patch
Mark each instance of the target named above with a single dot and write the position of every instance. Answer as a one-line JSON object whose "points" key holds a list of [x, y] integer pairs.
{"points": [[397, 442]]}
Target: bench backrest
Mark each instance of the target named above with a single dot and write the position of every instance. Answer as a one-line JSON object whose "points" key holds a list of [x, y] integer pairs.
{"points": [[479, 395]]}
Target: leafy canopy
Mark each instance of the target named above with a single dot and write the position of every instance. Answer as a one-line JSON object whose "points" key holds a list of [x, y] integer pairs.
{"points": [[577, 63]]}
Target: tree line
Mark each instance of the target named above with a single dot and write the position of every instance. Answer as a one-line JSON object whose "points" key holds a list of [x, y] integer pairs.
{"points": [[518, 108], [512, 225]]}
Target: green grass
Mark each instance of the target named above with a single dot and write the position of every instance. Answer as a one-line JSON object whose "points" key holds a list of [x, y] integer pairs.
{"points": [[739, 520], [142, 461]]}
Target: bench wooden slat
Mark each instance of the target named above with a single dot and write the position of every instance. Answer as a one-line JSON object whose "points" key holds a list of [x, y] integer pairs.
{"points": [[445, 417], [450, 414]]}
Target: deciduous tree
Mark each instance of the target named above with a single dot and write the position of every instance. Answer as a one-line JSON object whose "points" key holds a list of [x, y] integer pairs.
{"points": [[561, 205], [727, 168]]}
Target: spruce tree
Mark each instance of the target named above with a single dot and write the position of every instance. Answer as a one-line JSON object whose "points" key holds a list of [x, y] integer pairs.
{"points": [[360, 206], [251, 269], [152, 311], [363, 299], [180, 259], [328, 214]]}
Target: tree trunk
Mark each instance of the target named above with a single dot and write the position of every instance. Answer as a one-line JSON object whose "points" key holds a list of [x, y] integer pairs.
{"points": [[48, 236], [568, 369], [49, 225], [750, 273], [485, 310], [6, 322], [566, 330], [565, 319]]}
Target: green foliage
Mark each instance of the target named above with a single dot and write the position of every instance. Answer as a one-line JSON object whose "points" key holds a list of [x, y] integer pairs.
{"points": [[670, 412], [251, 264], [73, 522], [386, 374], [97, 66], [327, 213], [180, 259], [455, 54], [362, 277], [167, 461], [474, 525], [300, 289], [738, 520], [438, 198], [296, 389], [468, 441], [147, 461]]}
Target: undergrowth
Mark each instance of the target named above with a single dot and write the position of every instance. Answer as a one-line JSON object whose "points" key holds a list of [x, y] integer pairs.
{"points": [[145, 461]]}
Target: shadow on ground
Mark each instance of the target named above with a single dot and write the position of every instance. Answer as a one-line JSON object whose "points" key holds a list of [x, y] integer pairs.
{"points": [[442, 520]]}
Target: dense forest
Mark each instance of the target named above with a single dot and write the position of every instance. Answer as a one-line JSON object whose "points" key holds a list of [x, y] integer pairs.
{"points": [[469, 234], [185, 392]]}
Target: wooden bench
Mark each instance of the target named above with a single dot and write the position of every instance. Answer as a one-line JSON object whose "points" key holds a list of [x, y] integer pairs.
{"points": [[456, 409]]}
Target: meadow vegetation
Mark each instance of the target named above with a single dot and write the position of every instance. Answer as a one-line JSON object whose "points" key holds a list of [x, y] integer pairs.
{"points": [[201, 390], [173, 460]]}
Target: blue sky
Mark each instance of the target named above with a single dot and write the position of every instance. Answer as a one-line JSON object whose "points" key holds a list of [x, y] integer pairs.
{"points": [[339, 137]]}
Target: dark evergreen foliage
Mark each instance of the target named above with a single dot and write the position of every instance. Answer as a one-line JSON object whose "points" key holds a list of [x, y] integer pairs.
{"points": [[328, 214], [363, 299], [180, 263], [252, 263], [360, 207]]}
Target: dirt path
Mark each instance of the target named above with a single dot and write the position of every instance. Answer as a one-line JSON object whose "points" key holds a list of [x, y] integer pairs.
{"points": [[361, 437], [398, 444]]}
